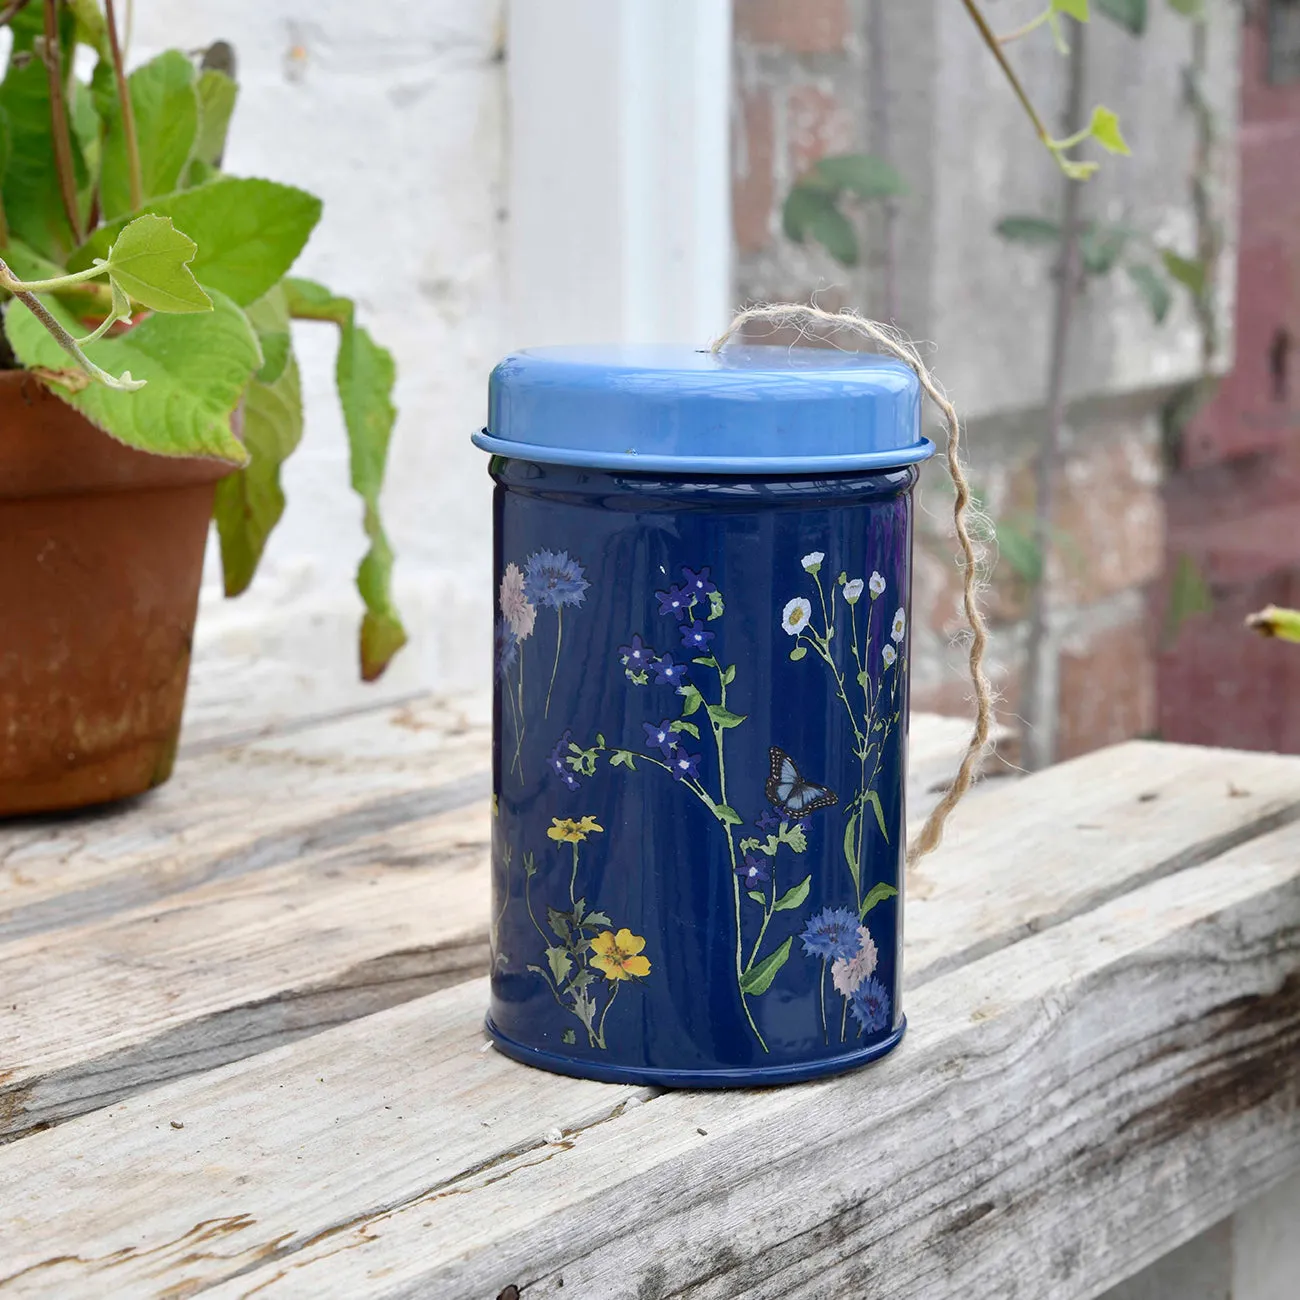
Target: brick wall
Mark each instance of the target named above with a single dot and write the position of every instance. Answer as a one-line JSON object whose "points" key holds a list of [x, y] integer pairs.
{"points": [[801, 92]]}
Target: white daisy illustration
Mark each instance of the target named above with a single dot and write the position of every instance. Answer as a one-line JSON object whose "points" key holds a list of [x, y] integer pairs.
{"points": [[795, 616]]}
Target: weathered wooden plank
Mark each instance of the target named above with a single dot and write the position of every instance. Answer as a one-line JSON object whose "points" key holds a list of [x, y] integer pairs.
{"points": [[251, 959], [1061, 1112]]}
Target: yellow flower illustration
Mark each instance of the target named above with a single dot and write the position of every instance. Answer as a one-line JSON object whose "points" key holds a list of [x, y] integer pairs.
{"points": [[572, 832], [618, 956]]}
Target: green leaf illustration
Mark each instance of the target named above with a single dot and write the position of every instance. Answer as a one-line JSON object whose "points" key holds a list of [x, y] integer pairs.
{"points": [[874, 800], [716, 607], [792, 835], [559, 922], [729, 675], [798, 652], [568, 1038], [878, 894], [691, 700], [724, 717], [560, 962], [760, 899], [759, 978], [689, 727], [726, 814], [850, 856], [598, 919], [794, 897], [150, 260], [623, 758]]}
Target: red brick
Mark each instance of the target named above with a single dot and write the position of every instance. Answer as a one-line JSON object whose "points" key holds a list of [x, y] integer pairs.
{"points": [[752, 184], [817, 124], [1107, 690], [800, 26]]}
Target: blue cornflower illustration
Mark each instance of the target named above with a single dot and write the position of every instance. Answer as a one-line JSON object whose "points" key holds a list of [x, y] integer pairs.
{"points": [[505, 646], [683, 765], [832, 935], [661, 737], [695, 636], [697, 584], [552, 578], [637, 656], [870, 1006], [674, 601], [559, 766], [767, 820], [753, 872], [668, 673]]}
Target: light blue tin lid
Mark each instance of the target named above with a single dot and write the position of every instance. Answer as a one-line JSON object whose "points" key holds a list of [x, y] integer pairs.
{"points": [[746, 410]]}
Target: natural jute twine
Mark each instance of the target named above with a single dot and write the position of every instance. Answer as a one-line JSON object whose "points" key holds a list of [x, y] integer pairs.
{"points": [[888, 340]]}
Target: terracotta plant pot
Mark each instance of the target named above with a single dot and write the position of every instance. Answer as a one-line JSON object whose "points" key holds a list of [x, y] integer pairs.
{"points": [[101, 553]]}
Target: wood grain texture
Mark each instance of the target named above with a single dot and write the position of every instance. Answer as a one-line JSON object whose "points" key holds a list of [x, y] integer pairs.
{"points": [[360, 881], [1062, 1111]]}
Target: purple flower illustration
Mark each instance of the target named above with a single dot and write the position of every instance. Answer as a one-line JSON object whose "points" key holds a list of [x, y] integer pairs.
{"points": [[637, 656], [557, 764], [674, 601], [668, 673], [832, 935], [753, 872], [683, 765], [661, 737], [695, 636], [552, 578], [767, 820], [697, 584], [870, 1006], [505, 646]]}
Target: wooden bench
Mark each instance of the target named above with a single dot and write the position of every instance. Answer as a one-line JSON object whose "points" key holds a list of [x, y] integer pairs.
{"points": [[241, 1047]]}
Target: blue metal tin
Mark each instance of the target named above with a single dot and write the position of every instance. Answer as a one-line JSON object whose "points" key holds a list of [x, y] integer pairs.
{"points": [[700, 711]]}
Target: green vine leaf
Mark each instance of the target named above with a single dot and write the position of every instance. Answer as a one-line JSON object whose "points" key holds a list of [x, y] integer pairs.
{"points": [[560, 963], [1153, 288], [196, 367], [794, 897], [758, 979], [689, 727], [874, 800], [365, 374], [623, 758], [724, 718], [1188, 272], [729, 675], [726, 814], [878, 894], [1077, 9], [1130, 14], [559, 922], [1104, 128], [850, 856], [798, 652], [760, 899], [691, 700], [150, 261], [716, 607], [597, 921]]}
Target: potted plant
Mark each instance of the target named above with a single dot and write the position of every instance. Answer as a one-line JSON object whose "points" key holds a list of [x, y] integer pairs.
{"points": [[147, 385]]}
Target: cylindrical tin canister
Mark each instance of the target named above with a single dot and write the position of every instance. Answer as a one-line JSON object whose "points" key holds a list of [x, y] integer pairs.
{"points": [[700, 714]]}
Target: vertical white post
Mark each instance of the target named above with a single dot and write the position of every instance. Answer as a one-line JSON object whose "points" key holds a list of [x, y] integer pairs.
{"points": [[620, 174]]}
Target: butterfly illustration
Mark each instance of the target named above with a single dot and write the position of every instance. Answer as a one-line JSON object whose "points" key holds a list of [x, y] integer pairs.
{"points": [[789, 793]]}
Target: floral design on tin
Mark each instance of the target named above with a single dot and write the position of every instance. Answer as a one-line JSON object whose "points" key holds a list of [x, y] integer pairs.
{"points": [[844, 946]]}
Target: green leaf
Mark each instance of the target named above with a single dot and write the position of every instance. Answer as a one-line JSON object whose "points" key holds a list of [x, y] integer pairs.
{"points": [[727, 815], [707, 661], [863, 174], [835, 233], [801, 204], [689, 727], [269, 316], [1189, 595], [1130, 14], [365, 374], [1101, 246], [217, 94], [691, 700], [1153, 288], [759, 978], [568, 1038], [196, 367], [874, 800], [597, 920], [1078, 171], [878, 894], [716, 606], [1105, 130], [793, 835], [798, 652], [1077, 9], [166, 107], [1029, 230], [622, 758], [249, 504], [1020, 551], [91, 29], [558, 921], [794, 897], [1185, 270], [560, 963], [150, 260], [760, 899], [1193, 9], [249, 233], [724, 717], [1271, 621], [850, 854]]}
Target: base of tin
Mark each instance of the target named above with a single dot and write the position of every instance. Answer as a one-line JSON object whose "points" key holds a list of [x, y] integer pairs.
{"points": [[762, 1077]]}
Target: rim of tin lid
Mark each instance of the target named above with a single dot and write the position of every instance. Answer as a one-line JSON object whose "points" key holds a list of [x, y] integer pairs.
{"points": [[679, 410]]}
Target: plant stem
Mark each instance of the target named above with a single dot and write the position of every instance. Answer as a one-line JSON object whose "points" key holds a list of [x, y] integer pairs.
{"points": [[821, 989], [995, 48], [62, 138], [1039, 703], [126, 107], [1031, 26], [604, 1015], [555, 668], [573, 880]]}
